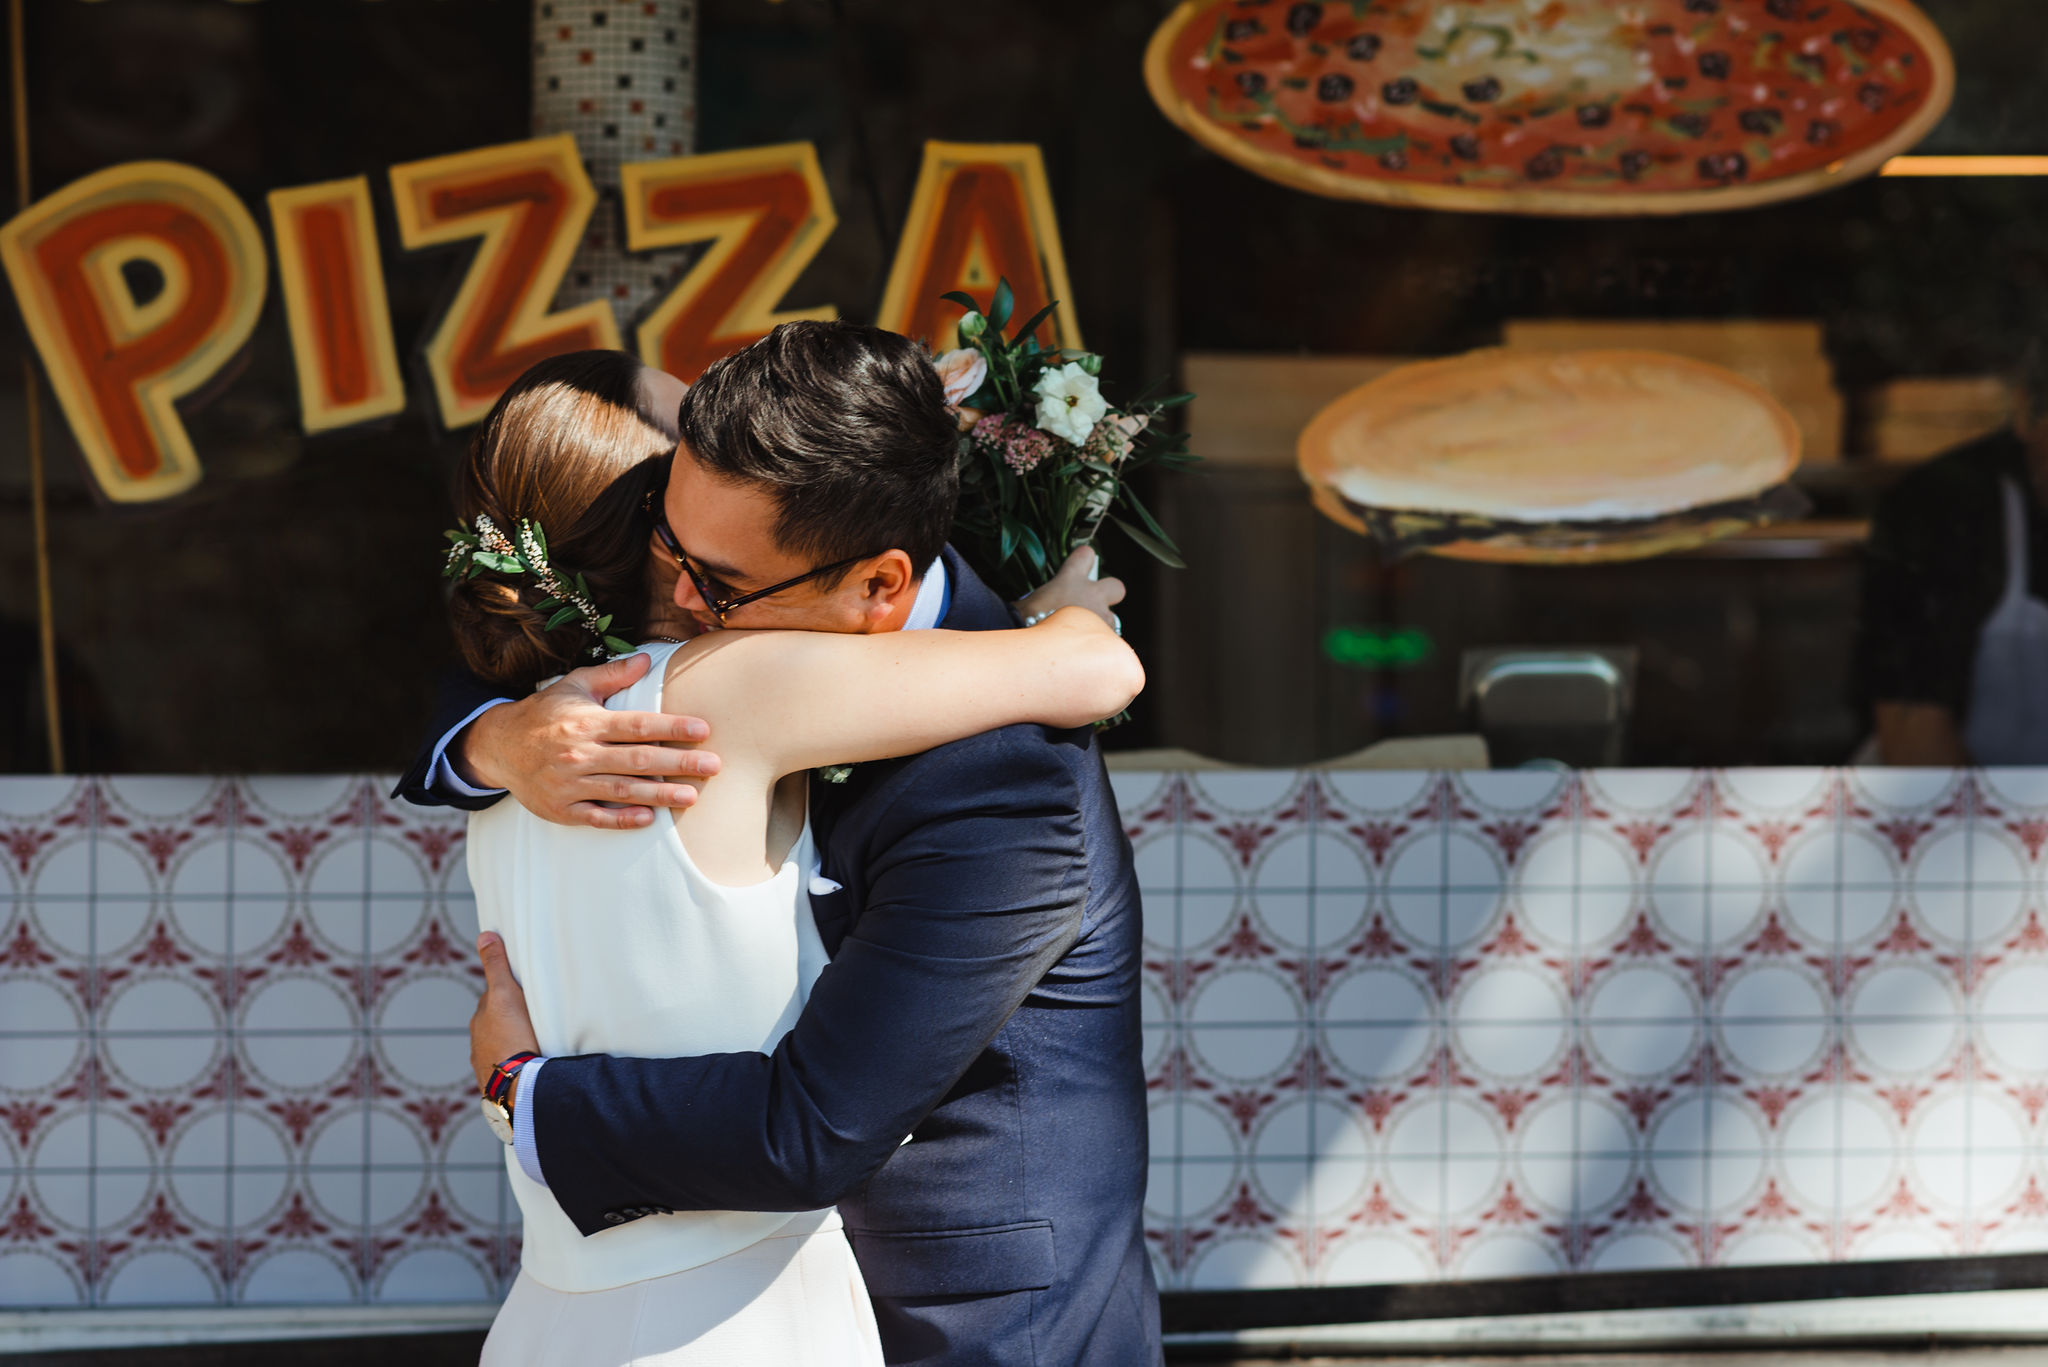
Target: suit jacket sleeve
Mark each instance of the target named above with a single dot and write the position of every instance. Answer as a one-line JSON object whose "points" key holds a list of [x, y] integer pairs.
{"points": [[976, 891], [460, 694]]}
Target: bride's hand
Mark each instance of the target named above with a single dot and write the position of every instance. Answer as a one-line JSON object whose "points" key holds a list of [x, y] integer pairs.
{"points": [[1072, 588], [500, 1026]]}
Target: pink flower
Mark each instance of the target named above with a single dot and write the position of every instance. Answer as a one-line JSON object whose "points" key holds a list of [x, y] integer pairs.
{"points": [[1024, 447], [1021, 446], [961, 371]]}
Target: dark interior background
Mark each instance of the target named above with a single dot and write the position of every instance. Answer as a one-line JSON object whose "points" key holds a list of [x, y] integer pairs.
{"points": [[286, 615]]}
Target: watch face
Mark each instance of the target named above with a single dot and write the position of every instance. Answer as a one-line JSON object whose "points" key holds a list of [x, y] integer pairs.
{"points": [[499, 1119]]}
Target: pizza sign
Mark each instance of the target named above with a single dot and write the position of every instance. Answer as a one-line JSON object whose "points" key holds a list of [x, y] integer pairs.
{"points": [[139, 284], [1570, 107]]}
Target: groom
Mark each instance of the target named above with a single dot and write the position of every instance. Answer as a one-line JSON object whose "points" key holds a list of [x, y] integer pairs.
{"points": [[964, 1082]]}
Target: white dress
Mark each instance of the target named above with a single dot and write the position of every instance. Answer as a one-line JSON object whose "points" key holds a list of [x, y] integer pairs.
{"points": [[624, 947]]}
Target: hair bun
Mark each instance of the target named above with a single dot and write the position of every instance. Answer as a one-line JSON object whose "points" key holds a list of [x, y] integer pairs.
{"points": [[502, 638], [568, 446]]}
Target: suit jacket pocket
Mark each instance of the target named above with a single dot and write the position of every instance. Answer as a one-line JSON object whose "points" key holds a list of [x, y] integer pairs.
{"points": [[956, 1262]]}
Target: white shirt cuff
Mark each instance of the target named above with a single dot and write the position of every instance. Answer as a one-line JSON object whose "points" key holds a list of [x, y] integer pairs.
{"points": [[441, 774], [523, 1146]]}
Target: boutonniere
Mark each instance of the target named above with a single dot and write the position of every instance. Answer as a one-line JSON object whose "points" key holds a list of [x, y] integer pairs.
{"points": [[833, 773]]}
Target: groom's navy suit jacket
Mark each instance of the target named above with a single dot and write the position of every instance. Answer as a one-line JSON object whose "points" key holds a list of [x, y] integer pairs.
{"points": [[982, 999]]}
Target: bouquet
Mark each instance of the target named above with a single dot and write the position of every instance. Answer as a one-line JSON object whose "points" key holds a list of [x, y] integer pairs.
{"points": [[1045, 461]]}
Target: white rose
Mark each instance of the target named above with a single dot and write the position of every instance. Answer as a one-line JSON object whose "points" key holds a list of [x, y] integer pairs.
{"points": [[1069, 403]]}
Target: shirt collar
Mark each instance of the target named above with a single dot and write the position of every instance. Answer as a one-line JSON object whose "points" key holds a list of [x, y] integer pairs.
{"points": [[933, 596]]}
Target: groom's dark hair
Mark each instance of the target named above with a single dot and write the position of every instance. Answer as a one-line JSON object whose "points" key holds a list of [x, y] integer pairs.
{"points": [[848, 428]]}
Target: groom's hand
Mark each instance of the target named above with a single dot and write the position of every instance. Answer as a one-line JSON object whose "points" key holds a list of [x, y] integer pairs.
{"points": [[500, 1027], [564, 755]]}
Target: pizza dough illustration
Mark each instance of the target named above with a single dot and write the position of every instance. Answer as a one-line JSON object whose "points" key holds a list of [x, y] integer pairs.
{"points": [[1552, 458], [1567, 107]]}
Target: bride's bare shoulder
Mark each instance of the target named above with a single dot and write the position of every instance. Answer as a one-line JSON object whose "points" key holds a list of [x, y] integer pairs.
{"points": [[720, 665]]}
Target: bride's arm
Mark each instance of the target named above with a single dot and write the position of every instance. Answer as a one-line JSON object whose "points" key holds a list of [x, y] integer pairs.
{"points": [[798, 699]]}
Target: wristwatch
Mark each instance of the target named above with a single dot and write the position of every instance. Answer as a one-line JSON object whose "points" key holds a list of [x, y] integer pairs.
{"points": [[498, 1094]]}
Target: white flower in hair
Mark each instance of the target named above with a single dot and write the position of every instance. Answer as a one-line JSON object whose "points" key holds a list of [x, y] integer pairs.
{"points": [[1070, 402], [472, 550]]}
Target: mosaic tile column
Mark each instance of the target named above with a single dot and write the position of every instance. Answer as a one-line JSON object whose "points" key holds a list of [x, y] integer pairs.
{"points": [[622, 78]]}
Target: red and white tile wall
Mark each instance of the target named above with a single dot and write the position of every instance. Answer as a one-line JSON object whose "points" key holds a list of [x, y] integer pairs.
{"points": [[1399, 1027], [1411, 1027], [232, 1055]]}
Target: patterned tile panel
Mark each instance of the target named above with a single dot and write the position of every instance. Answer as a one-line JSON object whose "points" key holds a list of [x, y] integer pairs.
{"points": [[232, 1060], [1418, 1027], [1398, 1027]]}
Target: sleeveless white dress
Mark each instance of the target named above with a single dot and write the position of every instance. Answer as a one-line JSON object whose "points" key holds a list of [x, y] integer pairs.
{"points": [[624, 947]]}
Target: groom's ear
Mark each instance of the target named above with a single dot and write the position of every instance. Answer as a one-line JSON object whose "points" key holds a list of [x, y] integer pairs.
{"points": [[887, 586]]}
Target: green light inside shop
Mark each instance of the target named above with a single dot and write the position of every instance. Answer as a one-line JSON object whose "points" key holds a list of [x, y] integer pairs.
{"points": [[1376, 647]]}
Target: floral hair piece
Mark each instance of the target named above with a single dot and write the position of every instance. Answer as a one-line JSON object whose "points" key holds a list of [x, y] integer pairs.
{"points": [[471, 552]]}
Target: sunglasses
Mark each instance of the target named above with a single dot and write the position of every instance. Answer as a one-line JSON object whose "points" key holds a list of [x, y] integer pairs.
{"points": [[719, 596]]}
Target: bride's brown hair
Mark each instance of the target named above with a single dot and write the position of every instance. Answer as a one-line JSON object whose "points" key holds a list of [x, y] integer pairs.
{"points": [[571, 446]]}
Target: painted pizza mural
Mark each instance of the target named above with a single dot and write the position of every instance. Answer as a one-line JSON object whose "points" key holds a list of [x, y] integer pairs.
{"points": [[1545, 458], [1573, 107]]}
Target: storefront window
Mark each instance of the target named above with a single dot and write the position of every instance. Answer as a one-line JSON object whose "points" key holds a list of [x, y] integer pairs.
{"points": [[284, 614]]}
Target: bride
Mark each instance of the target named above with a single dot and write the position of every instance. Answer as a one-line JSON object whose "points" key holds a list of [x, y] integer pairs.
{"points": [[693, 935]]}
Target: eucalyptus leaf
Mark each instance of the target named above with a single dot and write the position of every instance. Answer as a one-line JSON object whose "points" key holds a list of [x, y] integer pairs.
{"points": [[1003, 305], [1164, 554], [563, 616], [617, 646], [1034, 548], [965, 301], [1137, 506], [1031, 327]]}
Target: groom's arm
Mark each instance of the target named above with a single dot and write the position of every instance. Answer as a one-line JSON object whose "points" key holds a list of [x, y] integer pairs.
{"points": [[560, 752], [979, 892], [432, 781]]}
